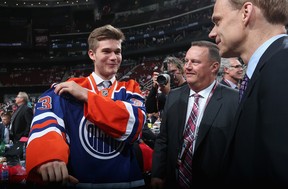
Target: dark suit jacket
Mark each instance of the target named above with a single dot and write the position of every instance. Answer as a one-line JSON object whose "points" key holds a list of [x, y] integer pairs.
{"points": [[151, 103], [258, 149], [155, 101], [21, 122], [225, 83], [211, 140]]}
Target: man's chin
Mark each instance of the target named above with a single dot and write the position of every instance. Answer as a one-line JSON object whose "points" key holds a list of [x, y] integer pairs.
{"points": [[224, 53]]}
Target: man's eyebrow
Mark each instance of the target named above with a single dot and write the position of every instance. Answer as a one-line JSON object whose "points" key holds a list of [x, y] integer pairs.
{"points": [[215, 17]]}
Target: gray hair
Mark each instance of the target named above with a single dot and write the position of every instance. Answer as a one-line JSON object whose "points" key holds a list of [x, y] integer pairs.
{"points": [[225, 63], [24, 95]]}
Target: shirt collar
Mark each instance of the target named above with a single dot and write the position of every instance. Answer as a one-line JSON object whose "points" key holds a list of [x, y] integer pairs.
{"points": [[258, 53], [99, 80], [205, 92], [231, 83]]}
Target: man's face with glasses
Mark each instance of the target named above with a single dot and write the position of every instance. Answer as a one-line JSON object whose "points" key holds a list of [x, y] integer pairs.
{"points": [[235, 70], [237, 66]]}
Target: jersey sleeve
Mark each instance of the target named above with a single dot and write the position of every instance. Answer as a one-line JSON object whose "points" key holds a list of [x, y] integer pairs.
{"points": [[122, 118], [47, 137]]}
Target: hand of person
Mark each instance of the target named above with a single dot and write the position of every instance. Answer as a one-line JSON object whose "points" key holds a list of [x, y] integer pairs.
{"points": [[56, 172], [73, 88], [154, 79], [157, 183]]}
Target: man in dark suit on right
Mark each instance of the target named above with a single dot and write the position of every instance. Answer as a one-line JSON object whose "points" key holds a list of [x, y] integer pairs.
{"points": [[257, 154]]}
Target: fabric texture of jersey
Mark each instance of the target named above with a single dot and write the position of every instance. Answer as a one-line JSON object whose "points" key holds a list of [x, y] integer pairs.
{"points": [[95, 139]]}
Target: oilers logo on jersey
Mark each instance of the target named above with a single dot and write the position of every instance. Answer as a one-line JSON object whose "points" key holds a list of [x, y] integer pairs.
{"points": [[97, 143]]}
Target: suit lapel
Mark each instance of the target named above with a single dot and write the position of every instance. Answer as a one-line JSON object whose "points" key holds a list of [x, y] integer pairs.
{"points": [[272, 49], [209, 115], [182, 110], [16, 113]]}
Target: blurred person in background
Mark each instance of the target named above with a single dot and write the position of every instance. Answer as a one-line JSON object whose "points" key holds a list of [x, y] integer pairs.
{"points": [[4, 127], [148, 136], [2, 111], [172, 67], [14, 107], [232, 72], [170, 77], [21, 119], [84, 129]]}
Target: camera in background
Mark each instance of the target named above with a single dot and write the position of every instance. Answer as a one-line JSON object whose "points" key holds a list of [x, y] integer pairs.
{"points": [[164, 77]]}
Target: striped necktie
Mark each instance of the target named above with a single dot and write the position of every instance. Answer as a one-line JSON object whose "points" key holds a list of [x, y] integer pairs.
{"points": [[243, 86], [106, 84], [185, 167]]}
